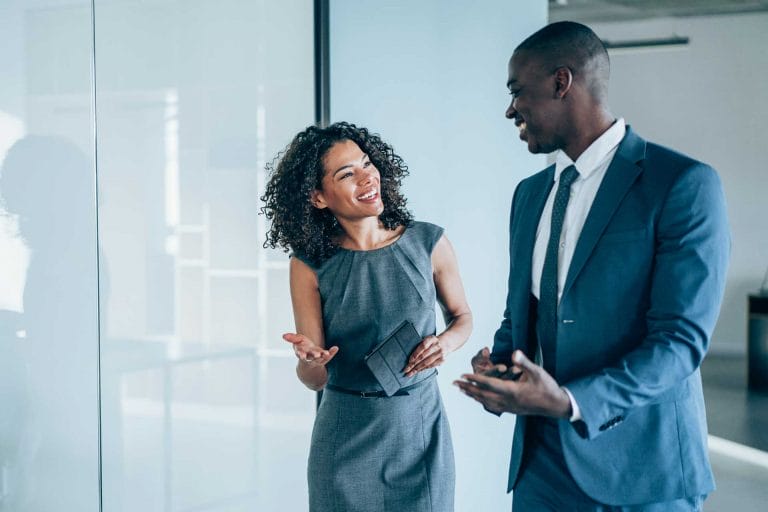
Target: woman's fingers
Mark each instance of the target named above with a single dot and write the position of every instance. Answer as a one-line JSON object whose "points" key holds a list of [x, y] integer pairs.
{"points": [[309, 355], [430, 352], [423, 350], [327, 355], [317, 356], [292, 337], [430, 362], [418, 355], [418, 352], [432, 356], [304, 348]]}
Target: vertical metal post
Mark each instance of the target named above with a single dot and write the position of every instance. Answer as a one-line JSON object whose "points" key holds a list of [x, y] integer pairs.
{"points": [[322, 79], [95, 140], [322, 64]]}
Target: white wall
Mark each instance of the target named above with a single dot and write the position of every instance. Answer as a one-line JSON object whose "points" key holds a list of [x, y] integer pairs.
{"points": [[430, 77], [708, 100]]}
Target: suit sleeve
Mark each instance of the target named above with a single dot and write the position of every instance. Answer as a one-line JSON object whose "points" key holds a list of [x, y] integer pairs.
{"points": [[503, 344], [687, 282]]}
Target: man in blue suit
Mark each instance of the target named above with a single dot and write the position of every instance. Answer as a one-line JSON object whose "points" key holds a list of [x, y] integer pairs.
{"points": [[618, 256]]}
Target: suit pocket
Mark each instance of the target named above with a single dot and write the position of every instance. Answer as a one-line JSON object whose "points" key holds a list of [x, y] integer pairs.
{"points": [[624, 236]]}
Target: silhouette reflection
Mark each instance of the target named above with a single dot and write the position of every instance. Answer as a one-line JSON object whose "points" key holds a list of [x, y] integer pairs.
{"points": [[49, 351]]}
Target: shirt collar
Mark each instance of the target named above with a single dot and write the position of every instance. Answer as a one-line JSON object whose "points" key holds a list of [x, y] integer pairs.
{"points": [[589, 161]]}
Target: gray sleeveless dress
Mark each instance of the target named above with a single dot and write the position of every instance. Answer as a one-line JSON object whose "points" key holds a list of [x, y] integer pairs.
{"points": [[379, 454]]}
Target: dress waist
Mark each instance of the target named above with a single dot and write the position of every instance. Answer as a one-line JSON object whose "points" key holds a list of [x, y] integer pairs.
{"points": [[380, 394]]}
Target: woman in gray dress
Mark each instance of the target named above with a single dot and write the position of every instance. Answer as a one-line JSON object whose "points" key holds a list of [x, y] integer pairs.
{"points": [[360, 267]]}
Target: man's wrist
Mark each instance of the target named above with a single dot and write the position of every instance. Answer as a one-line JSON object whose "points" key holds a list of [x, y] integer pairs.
{"points": [[564, 407], [574, 413]]}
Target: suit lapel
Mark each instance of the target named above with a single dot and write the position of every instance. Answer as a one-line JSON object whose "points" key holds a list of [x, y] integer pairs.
{"points": [[524, 239], [619, 177], [525, 225]]}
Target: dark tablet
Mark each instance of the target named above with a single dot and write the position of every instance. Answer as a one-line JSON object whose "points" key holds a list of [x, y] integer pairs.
{"points": [[387, 359]]}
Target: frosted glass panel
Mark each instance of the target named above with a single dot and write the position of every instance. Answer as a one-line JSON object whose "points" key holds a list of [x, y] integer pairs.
{"points": [[201, 408], [48, 280]]}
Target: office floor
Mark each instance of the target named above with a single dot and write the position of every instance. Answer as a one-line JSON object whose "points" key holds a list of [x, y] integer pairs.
{"points": [[733, 412], [736, 415]]}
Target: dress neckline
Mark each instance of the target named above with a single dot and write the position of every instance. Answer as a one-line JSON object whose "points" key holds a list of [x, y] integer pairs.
{"points": [[382, 248]]}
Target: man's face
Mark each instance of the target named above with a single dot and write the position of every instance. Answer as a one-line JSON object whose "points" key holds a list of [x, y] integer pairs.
{"points": [[535, 107]]}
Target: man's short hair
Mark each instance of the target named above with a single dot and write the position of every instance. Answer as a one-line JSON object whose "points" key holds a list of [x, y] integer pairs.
{"points": [[571, 44]]}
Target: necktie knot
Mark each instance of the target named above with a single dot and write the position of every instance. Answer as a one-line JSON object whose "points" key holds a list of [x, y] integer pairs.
{"points": [[569, 175]]}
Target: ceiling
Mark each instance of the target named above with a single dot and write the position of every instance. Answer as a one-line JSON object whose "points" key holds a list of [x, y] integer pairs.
{"points": [[626, 10]]}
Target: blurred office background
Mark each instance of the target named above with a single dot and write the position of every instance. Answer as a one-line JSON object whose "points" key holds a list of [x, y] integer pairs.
{"points": [[141, 364]]}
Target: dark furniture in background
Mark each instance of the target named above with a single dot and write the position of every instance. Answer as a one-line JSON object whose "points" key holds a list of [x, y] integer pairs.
{"points": [[757, 348]]}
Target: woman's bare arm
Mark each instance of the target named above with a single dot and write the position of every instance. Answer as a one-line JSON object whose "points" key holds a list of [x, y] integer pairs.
{"points": [[308, 340]]}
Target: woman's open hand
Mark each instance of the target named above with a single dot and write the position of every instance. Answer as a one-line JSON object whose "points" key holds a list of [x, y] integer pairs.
{"points": [[307, 351]]}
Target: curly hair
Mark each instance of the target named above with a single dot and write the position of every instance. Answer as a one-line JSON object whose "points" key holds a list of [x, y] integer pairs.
{"points": [[312, 233]]}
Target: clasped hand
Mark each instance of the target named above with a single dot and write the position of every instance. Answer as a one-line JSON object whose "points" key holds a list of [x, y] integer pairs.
{"points": [[308, 351], [522, 388], [428, 354]]}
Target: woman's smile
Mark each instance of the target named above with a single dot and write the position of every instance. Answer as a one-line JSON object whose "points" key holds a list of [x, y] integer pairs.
{"points": [[369, 196]]}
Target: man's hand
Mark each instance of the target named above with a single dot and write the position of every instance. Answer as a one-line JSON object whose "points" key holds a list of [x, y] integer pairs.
{"points": [[534, 391], [481, 362], [482, 365]]}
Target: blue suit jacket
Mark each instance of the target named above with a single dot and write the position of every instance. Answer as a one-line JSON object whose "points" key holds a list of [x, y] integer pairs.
{"points": [[640, 301]]}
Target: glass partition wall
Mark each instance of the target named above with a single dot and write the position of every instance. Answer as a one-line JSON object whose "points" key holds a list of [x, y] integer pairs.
{"points": [[138, 309], [49, 408]]}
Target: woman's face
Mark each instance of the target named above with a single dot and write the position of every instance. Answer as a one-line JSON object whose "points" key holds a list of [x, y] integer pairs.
{"points": [[351, 186]]}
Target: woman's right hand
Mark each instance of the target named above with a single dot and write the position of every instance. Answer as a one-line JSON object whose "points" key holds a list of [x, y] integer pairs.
{"points": [[307, 351]]}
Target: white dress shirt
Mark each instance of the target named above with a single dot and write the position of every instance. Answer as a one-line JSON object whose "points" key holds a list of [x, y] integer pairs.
{"points": [[592, 165]]}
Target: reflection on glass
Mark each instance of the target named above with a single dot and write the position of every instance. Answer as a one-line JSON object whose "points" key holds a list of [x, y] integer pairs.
{"points": [[199, 406], [48, 344]]}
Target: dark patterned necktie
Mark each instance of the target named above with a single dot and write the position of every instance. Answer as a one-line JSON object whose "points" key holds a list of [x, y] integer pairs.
{"points": [[547, 310]]}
